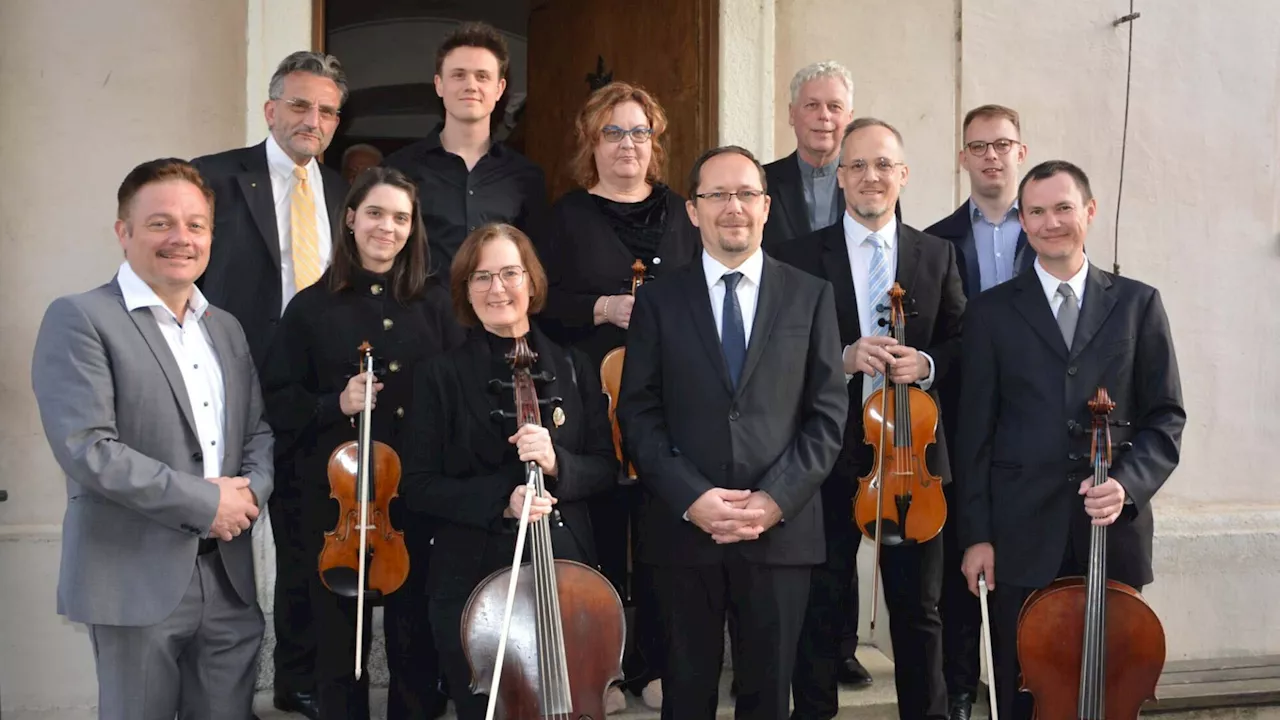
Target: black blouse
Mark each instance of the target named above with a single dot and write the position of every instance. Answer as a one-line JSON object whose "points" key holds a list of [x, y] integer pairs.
{"points": [[316, 352], [596, 242]]}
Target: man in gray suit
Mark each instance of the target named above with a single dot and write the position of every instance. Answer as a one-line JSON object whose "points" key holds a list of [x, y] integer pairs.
{"points": [[151, 405]]}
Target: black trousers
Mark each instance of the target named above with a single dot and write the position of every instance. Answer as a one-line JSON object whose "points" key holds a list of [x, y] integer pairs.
{"points": [[768, 603], [295, 652], [1006, 603], [912, 579], [960, 611], [414, 667]]}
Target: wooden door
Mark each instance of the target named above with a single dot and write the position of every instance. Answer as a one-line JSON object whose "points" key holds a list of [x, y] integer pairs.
{"points": [[668, 47]]}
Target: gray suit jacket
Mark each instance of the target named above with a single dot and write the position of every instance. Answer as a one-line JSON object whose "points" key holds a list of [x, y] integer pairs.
{"points": [[117, 417]]}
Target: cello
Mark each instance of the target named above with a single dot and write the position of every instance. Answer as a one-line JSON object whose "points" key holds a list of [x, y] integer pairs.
{"points": [[561, 620], [611, 380], [899, 502], [364, 555], [1090, 647]]}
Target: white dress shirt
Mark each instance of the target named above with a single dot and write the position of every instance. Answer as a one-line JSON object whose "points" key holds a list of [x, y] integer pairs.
{"points": [[860, 255], [281, 167], [1051, 283], [193, 352], [748, 289]]}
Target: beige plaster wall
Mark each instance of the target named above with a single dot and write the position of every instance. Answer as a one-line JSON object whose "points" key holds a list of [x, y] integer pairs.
{"points": [[87, 90]]}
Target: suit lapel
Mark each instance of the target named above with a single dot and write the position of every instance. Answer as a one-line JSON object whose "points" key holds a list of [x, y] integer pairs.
{"points": [[1034, 308], [772, 289], [1024, 255], [1097, 305], [835, 265], [908, 260], [233, 389], [695, 285], [335, 192], [150, 330], [791, 193], [255, 183]]}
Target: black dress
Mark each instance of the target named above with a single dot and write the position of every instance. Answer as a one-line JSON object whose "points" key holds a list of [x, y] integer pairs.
{"points": [[313, 356], [461, 471]]}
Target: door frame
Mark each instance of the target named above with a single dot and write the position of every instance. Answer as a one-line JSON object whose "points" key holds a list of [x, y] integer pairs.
{"points": [[709, 62]]}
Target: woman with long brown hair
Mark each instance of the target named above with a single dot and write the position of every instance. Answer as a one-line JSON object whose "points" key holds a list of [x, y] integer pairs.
{"points": [[376, 289]]}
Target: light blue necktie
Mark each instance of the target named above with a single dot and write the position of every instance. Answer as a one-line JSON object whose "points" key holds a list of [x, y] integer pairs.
{"points": [[878, 283]]}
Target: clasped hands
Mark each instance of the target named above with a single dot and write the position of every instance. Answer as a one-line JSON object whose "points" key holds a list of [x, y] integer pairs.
{"points": [[237, 508], [871, 354], [730, 516]]}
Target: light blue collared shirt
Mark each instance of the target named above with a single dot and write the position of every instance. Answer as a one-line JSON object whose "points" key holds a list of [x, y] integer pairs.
{"points": [[996, 244]]}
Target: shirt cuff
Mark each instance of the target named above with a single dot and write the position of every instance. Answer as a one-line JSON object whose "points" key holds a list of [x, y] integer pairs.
{"points": [[927, 382], [847, 376]]}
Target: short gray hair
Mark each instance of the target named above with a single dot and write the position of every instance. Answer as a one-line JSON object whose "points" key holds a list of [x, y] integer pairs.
{"points": [[325, 66], [825, 68], [866, 122], [360, 147]]}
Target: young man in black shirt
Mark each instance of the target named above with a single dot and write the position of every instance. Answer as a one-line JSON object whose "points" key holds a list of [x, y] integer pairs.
{"points": [[464, 177]]}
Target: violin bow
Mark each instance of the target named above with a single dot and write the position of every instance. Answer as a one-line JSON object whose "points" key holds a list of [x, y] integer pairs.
{"points": [[517, 559], [365, 422], [986, 645]]}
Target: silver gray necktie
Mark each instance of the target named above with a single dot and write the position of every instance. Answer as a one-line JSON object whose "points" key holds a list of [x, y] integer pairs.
{"points": [[1068, 313]]}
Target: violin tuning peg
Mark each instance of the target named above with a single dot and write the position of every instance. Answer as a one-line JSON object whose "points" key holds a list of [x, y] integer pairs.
{"points": [[1119, 423], [549, 402], [497, 386], [500, 415], [881, 307], [1125, 446], [545, 376]]}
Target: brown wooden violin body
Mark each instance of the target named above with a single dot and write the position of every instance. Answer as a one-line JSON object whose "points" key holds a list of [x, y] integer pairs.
{"points": [[1090, 647], [562, 643], [364, 477], [611, 376], [900, 500]]}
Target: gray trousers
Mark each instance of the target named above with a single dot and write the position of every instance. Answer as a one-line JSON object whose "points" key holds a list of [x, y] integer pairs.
{"points": [[197, 664]]}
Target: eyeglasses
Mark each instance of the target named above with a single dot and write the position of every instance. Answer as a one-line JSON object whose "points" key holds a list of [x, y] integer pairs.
{"points": [[614, 134], [978, 148], [482, 280], [303, 107], [746, 197], [858, 168]]}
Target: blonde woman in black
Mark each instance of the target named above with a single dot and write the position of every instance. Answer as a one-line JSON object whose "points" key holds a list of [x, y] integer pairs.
{"points": [[376, 289]]}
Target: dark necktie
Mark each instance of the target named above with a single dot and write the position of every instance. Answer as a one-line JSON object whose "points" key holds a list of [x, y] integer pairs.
{"points": [[733, 337]]}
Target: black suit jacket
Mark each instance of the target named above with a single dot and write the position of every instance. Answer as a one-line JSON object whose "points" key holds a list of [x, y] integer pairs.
{"points": [[460, 468], [588, 260], [958, 228], [788, 213], [1024, 434], [243, 276], [688, 430], [926, 269]]}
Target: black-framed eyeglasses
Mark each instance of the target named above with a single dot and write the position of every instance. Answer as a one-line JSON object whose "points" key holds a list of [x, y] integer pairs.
{"points": [[883, 166], [482, 280], [614, 134], [720, 197], [303, 107], [978, 148]]}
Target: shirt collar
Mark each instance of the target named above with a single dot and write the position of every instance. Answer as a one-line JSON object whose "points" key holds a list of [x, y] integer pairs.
{"points": [[137, 293], [752, 268], [1050, 283], [855, 232], [280, 163], [807, 170], [975, 212], [432, 140]]}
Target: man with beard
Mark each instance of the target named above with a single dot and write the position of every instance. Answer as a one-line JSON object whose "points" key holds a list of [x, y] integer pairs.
{"points": [[732, 408], [272, 240], [862, 257], [990, 249], [1036, 350], [152, 408], [466, 178], [802, 185]]}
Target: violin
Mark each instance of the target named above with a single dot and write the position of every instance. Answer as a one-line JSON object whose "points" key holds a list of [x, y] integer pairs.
{"points": [[364, 556], [899, 502], [1091, 647], [611, 378], [562, 621]]}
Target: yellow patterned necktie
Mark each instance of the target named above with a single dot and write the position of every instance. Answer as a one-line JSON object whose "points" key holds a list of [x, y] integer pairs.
{"points": [[302, 231]]}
